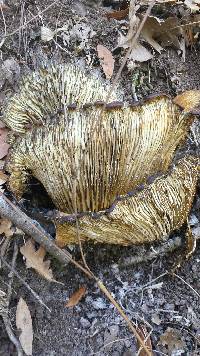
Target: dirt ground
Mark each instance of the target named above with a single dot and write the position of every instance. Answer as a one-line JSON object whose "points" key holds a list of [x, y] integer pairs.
{"points": [[168, 305]]}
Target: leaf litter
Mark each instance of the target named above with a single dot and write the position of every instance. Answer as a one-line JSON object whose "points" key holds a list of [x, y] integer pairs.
{"points": [[35, 260], [106, 59], [156, 32], [152, 37], [173, 340], [24, 324]]}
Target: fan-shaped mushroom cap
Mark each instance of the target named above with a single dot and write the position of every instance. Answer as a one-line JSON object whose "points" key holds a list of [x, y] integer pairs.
{"points": [[93, 154]]}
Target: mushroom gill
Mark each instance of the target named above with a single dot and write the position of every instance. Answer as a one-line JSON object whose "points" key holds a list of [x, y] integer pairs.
{"points": [[105, 152]]}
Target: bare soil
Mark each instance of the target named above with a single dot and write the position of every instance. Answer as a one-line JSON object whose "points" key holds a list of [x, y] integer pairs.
{"points": [[94, 327]]}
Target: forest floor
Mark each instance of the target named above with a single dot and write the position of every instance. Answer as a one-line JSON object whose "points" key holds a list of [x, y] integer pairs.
{"points": [[168, 305]]}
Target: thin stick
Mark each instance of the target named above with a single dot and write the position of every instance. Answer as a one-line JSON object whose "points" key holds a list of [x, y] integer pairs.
{"points": [[77, 226], [24, 283], [32, 19], [186, 283], [5, 317], [11, 335], [9, 292], [147, 13], [163, 249], [124, 316]]}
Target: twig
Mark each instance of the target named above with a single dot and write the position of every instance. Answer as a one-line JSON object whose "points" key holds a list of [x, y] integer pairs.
{"points": [[77, 226], [4, 312], [164, 248], [9, 292], [11, 335], [5, 246], [101, 285], [33, 229], [186, 283], [124, 316], [32, 19], [24, 283], [5, 27], [147, 13]]}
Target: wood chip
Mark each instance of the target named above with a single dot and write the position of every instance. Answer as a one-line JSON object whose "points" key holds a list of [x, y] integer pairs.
{"points": [[76, 297]]}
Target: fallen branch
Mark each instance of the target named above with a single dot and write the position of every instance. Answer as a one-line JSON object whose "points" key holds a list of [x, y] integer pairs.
{"points": [[161, 250]]}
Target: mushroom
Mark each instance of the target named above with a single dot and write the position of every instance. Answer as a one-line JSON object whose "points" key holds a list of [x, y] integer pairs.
{"points": [[95, 159]]}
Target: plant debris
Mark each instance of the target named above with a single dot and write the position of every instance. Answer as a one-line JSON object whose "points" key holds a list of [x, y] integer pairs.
{"points": [[106, 59], [4, 146], [41, 33], [173, 340], [76, 297], [35, 260], [142, 330], [6, 227], [24, 325]]}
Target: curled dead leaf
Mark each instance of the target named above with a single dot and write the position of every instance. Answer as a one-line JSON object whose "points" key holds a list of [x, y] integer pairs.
{"points": [[5, 227], [173, 340], [4, 146], [35, 260], [46, 34], [193, 5], [140, 54], [165, 32], [76, 297]]}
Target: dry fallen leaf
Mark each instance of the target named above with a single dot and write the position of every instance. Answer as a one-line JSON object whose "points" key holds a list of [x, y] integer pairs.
{"points": [[140, 54], [194, 5], [107, 60], [35, 259], [46, 34], [166, 32], [117, 15], [3, 145], [24, 323], [172, 339], [156, 32], [5, 227], [3, 6], [3, 178], [76, 297]]}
